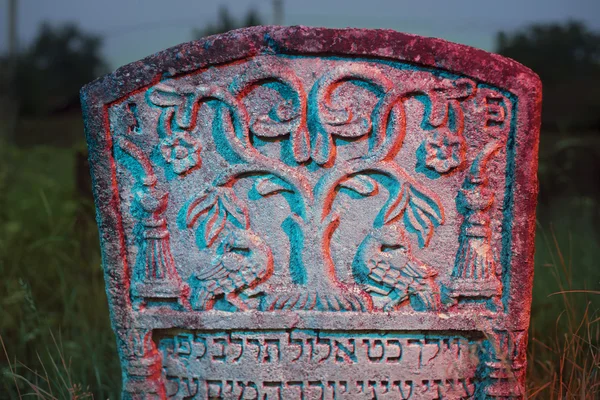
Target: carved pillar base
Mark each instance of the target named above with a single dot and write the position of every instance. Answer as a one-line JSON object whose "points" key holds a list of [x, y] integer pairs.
{"points": [[158, 279], [475, 288], [165, 291], [143, 369], [144, 381], [506, 381], [506, 365]]}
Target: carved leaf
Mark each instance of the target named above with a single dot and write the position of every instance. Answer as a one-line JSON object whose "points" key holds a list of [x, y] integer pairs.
{"points": [[214, 224], [361, 184], [165, 96], [397, 207], [200, 205], [270, 185], [417, 222], [427, 206], [234, 207], [422, 215]]}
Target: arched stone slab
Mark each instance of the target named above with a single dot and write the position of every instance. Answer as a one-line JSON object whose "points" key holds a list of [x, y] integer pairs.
{"points": [[317, 213]]}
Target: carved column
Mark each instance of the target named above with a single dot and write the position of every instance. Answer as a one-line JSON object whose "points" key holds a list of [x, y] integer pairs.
{"points": [[143, 367], [154, 274], [475, 273], [505, 364]]}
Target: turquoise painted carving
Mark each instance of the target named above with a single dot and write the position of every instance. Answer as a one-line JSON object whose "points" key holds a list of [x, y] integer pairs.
{"points": [[310, 213]]}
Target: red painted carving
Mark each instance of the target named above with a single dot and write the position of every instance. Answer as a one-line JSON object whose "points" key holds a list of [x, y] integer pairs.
{"points": [[476, 269], [156, 271], [445, 148], [312, 213]]}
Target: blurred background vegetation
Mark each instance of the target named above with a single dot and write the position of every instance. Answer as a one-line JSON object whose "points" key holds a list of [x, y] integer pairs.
{"points": [[54, 323]]}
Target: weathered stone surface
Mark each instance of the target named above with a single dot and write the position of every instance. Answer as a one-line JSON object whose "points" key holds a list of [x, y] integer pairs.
{"points": [[292, 213]]}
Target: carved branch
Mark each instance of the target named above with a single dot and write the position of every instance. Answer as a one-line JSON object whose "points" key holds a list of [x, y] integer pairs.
{"points": [[422, 217], [188, 104], [292, 119], [375, 161], [256, 163], [332, 121], [138, 155]]}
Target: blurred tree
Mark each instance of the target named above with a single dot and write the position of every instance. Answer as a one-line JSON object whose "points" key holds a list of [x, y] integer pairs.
{"points": [[567, 59], [554, 51], [58, 63], [226, 23]]}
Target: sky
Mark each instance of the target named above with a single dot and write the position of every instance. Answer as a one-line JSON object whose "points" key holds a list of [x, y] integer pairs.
{"points": [[133, 29]]}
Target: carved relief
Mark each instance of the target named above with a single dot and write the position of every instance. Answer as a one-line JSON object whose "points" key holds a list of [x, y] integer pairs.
{"points": [[143, 365], [230, 363], [310, 227], [329, 120], [155, 276], [475, 272], [242, 261], [389, 268], [182, 151], [506, 363], [179, 148], [410, 202], [286, 118], [445, 146]]}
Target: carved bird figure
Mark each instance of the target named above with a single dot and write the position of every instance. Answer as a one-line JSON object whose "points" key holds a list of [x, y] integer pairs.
{"points": [[386, 266], [242, 261]]}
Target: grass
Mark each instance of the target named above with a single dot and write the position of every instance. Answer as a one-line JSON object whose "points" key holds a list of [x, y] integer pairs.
{"points": [[564, 347], [55, 326], [55, 330]]}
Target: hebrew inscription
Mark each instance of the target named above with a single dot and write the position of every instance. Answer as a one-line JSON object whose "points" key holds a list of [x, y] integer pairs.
{"points": [[315, 224], [221, 364]]}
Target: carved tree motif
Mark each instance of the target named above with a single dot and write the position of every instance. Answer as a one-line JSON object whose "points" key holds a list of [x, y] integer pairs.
{"points": [[218, 212], [276, 207]]}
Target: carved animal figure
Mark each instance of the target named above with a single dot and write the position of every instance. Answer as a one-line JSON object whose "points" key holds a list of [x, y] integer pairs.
{"points": [[243, 260], [385, 265]]}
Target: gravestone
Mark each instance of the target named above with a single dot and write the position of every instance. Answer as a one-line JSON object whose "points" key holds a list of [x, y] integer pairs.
{"points": [[303, 213]]}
